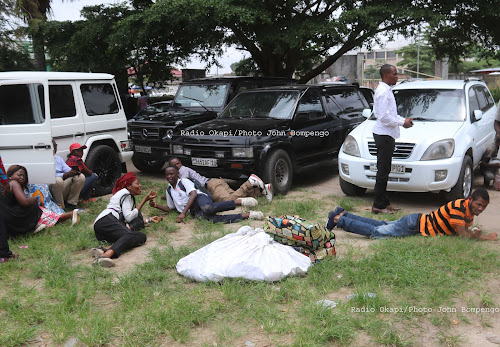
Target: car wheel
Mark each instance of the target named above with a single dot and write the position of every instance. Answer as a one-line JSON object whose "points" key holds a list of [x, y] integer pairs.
{"points": [[278, 171], [463, 188], [147, 165], [350, 189], [104, 161]]}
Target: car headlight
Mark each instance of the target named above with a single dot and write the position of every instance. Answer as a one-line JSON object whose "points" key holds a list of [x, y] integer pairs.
{"points": [[242, 152], [178, 149], [439, 150], [350, 146]]}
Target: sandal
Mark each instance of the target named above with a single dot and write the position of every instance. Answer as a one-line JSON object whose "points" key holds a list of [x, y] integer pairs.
{"points": [[104, 261]]}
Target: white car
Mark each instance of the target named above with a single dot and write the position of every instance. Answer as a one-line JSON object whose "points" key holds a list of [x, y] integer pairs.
{"points": [[68, 107], [453, 126]]}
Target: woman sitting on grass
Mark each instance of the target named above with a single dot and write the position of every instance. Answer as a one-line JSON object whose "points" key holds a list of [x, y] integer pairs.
{"points": [[22, 215], [121, 221]]}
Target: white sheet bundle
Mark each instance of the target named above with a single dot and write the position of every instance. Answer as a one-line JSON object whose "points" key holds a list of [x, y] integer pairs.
{"points": [[247, 253]]}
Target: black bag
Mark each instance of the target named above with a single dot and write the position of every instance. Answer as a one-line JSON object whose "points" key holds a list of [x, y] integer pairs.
{"points": [[135, 224]]}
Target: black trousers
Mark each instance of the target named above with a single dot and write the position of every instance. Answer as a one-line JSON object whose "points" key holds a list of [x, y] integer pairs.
{"points": [[5, 252], [110, 229], [385, 147]]}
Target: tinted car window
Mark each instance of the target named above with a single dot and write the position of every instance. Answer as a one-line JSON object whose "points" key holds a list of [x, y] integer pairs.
{"points": [[484, 102], [62, 102], [18, 107], [431, 104], [99, 98], [268, 104], [473, 103], [347, 98], [311, 103], [210, 95]]}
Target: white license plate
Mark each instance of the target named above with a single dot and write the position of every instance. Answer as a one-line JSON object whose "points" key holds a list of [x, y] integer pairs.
{"points": [[204, 162], [395, 168], [142, 149]]}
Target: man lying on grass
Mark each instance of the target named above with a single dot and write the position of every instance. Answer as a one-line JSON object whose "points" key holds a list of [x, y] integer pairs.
{"points": [[184, 197], [454, 218]]}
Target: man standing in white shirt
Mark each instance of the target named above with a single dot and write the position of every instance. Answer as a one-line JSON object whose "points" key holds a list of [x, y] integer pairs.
{"points": [[385, 133]]}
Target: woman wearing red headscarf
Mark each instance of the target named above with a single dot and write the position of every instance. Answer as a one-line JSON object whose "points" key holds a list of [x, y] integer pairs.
{"points": [[114, 223]]}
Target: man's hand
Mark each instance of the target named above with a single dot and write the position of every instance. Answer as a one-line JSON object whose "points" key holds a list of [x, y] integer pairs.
{"points": [[180, 218], [153, 203], [408, 123], [490, 237]]}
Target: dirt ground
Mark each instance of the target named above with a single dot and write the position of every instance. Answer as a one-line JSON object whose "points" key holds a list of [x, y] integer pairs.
{"points": [[325, 183]]}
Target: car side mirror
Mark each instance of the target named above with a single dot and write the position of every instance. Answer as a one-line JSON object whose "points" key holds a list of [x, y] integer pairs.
{"points": [[367, 113], [478, 115]]}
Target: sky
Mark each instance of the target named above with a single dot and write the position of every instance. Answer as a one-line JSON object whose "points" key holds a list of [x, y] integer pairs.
{"points": [[70, 10]]}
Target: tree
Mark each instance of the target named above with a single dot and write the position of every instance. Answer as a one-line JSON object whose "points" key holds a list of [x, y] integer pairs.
{"points": [[412, 58]]}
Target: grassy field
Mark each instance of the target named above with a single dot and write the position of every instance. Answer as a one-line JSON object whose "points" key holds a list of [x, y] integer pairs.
{"points": [[53, 293]]}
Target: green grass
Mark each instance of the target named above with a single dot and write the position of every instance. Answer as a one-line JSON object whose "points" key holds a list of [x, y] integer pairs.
{"points": [[51, 292]]}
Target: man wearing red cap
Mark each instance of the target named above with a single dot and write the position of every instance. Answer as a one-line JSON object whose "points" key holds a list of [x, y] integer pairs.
{"points": [[75, 161]]}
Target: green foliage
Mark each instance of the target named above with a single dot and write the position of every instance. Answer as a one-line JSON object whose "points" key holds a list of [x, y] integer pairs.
{"points": [[411, 58], [496, 94]]}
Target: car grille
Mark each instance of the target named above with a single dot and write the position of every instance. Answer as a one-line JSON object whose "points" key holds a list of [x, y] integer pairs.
{"points": [[206, 147], [145, 133], [401, 151]]}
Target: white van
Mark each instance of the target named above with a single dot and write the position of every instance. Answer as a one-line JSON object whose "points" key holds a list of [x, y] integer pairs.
{"points": [[69, 107]]}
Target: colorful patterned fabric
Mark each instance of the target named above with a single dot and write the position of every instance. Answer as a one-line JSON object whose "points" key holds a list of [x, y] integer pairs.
{"points": [[312, 240], [48, 218], [45, 199], [3, 176]]}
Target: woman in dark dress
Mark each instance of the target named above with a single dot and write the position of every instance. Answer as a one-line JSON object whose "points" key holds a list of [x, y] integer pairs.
{"points": [[22, 215]]}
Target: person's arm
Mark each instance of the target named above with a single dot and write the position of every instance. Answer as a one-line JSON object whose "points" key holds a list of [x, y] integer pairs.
{"points": [[21, 198], [192, 199], [150, 196], [497, 126], [85, 170], [475, 233], [153, 203], [381, 109]]}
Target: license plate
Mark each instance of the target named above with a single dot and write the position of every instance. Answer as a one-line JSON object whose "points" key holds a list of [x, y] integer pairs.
{"points": [[395, 168], [142, 149], [204, 162]]}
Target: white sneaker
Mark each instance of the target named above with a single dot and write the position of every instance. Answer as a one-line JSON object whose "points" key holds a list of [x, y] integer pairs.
{"points": [[249, 202], [268, 192], [257, 215], [40, 228], [256, 181], [97, 252], [76, 217], [104, 262]]}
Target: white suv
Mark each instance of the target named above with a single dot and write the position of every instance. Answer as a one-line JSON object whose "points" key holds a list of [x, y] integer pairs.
{"points": [[69, 107], [453, 125]]}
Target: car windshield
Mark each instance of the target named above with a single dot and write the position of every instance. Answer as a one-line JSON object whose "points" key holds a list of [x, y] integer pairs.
{"points": [[207, 95], [443, 105], [262, 104], [153, 109]]}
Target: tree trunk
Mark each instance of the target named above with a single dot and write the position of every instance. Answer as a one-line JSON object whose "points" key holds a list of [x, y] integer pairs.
{"points": [[38, 46]]}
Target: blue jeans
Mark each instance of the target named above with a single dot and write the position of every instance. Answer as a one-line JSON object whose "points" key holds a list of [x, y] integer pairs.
{"points": [[88, 186], [204, 207], [375, 229]]}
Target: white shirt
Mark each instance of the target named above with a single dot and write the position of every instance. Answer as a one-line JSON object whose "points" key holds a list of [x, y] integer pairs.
{"points": [[497, 117], [129, 213], [61, 166], [384, 108], [180, 197]]}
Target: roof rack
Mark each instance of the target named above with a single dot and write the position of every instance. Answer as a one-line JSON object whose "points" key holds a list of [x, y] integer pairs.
{"points": [[468, 79]]}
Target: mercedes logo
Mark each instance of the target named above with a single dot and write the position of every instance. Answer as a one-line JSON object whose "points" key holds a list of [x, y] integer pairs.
{"points": [[144, 133]]}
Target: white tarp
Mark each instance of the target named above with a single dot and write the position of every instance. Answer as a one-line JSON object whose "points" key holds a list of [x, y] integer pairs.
{"points": [[247, 253]]}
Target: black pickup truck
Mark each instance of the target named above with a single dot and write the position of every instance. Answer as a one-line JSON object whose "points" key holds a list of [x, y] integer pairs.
{"points": [[196, 101], [274, 132]]}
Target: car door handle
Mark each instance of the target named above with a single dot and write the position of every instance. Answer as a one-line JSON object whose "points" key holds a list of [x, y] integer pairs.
{"points": [[78, 134], [42, 146]]}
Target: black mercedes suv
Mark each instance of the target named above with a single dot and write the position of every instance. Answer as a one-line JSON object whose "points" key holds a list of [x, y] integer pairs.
{"points": [[196, 101], [274, 132]]}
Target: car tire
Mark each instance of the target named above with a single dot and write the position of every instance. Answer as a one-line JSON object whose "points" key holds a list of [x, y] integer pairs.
{"points": [[350, 189], [463, 188], [104, 161], [278, 171], [146, 165]]}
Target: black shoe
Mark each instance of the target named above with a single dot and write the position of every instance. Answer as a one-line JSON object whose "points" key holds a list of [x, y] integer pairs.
{"points": [[68, 206]]}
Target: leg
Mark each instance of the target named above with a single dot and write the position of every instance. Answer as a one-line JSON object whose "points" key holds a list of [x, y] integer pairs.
{"points": [[358, 225], [5, 252], [205, 208], [110, 229], [57, 190], [219, 189], [385, 148], [88, 186], [406, 226], [245, 190], [72, 188]]}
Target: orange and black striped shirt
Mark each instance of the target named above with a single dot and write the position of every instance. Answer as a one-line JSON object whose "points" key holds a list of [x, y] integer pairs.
{"points": [[445, 219]]}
